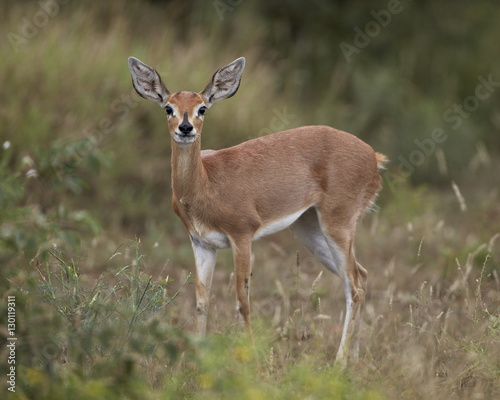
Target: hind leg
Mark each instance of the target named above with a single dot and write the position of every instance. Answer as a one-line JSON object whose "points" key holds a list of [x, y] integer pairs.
{"points": [[361, 285], [336, 255], [308, 231], [338, 231], [334, 248], [353, 278]]}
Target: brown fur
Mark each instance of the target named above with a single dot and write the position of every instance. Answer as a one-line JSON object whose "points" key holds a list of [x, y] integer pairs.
{"points": [[236, 191], [231, 196]]}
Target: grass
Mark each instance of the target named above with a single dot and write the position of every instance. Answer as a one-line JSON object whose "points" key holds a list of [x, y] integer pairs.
{"points": [[84, 168], [431, 326]]}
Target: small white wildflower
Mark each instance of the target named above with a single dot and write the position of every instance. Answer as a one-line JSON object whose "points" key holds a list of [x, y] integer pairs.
{"points": [[6, 145], [32, 173], [27, 161]]}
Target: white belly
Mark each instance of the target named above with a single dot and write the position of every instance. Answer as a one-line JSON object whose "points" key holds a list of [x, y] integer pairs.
{"points": [[278, 225], [219, 240]]}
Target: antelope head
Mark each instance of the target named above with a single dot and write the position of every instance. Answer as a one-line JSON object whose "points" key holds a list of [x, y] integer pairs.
{"points": [[186, 110]]}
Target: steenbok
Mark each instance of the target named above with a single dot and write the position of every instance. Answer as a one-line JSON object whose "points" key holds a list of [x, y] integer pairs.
{"points": [[316, 180]]}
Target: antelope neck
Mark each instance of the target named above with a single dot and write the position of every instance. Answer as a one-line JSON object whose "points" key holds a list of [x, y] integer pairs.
{"points": [[188, 172]]}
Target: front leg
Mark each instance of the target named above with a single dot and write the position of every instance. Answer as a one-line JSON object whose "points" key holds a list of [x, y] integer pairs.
{"points": [[242, 253], [204, 256]]}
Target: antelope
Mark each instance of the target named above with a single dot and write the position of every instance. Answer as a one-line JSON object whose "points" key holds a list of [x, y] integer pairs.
{"points": [[316, 180]]}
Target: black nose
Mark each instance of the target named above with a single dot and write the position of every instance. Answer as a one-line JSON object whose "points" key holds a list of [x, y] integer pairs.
{"points": [[185, 128]]}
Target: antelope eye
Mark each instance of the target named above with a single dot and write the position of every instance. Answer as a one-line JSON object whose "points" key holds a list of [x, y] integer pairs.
{"points": [[202, 110], [169, 110]]}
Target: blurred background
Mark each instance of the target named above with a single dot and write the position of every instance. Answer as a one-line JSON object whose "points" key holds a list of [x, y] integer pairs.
{"points": [[85, 162]]}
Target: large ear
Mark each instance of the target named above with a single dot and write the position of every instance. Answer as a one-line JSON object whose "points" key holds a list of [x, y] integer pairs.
{"points": [[147, 83], [225, 82]]}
